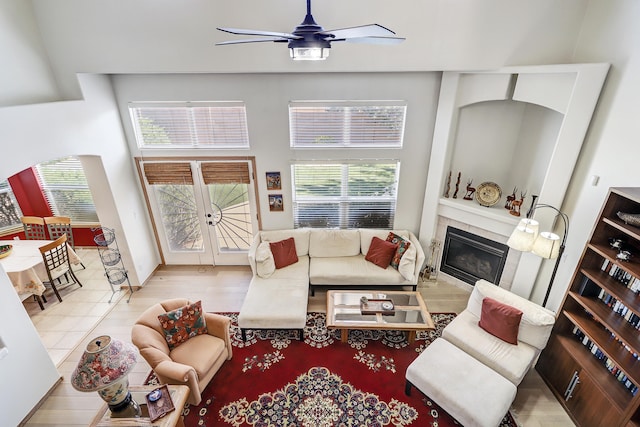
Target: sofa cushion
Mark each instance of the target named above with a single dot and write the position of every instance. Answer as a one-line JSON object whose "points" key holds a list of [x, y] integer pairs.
{"points": [[265, 264], [350, 271], [407, 265], [380, 252], [510, 361], [500, 320], [284, 252], [200, 352], [333, 243], [366, 234], [183, 323], [536, 323], [403, 245], [300, 235], [299, 270]]}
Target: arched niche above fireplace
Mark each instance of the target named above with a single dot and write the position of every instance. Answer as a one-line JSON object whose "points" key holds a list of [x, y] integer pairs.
{"points": [[516, 126], [508, 142]]}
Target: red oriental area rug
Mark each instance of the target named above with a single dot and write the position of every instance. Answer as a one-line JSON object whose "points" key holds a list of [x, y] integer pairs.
{"points": [[275, 380]]}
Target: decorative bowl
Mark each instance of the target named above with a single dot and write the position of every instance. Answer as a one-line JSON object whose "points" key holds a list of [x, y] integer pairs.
{"points": [[5, 250], [629, 218]]}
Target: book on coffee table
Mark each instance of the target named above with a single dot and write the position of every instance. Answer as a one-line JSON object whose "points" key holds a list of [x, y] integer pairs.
{"points": [[375, 306]]}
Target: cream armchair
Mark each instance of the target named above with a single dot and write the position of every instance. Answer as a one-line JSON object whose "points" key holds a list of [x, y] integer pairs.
{"points": [[194, 362]]}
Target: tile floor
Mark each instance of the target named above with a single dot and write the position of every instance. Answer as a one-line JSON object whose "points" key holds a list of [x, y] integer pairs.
{"points": [[62, 325]]}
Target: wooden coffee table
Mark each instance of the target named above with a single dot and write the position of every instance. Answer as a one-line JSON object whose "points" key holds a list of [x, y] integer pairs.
{"points": [[410, 312]]}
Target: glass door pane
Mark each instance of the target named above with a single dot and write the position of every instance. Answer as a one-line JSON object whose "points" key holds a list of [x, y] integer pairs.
{"points": [[179, 217], [230, 216]]}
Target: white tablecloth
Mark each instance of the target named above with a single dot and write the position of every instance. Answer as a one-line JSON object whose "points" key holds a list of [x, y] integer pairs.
{"points": [[25, 266]]}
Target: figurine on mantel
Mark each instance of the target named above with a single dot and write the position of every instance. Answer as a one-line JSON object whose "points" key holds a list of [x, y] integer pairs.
{"points": [[470, 190], [510, 199], [446, 192], [515, 205], [455, 194]]}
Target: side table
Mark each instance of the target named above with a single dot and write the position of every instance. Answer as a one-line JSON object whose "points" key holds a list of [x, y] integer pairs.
{"points": [[179, 395]]}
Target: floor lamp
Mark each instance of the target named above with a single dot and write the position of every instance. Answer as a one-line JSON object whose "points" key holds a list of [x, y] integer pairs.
{"points": [[527, 238]]}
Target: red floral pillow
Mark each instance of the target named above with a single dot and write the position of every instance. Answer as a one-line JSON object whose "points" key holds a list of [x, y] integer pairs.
{"points": [[500, 320], [380, 252], [403, 245], [284, 252], [183, 323]]}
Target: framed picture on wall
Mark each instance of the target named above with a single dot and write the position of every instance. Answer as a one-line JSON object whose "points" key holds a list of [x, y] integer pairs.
{"points": [[273, 181], [275, 202]]}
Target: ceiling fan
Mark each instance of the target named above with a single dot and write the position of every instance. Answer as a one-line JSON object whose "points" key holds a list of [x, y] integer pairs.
{"points": [[309, 41]]}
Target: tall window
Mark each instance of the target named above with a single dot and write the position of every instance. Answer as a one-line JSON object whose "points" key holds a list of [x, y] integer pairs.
{"points": [[10, 212], [190, 124], [347, 124], [66, 190], [345, 194]]}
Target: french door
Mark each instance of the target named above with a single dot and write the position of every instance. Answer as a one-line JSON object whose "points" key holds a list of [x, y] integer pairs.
{"points": [[204, 212]]}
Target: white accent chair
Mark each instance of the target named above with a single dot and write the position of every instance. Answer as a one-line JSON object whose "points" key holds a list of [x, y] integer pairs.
{"points": [[472, 374]]}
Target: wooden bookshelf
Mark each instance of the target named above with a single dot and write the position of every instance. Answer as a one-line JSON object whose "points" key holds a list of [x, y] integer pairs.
{"points": [[592, 361]]}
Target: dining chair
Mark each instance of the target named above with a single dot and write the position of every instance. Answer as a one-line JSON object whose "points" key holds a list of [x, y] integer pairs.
{"points": [[34, 228], [59, 225], [56, 261]]}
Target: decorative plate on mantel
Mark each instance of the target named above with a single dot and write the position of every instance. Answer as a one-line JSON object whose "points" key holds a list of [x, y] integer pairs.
{"points": [[488, 193]]}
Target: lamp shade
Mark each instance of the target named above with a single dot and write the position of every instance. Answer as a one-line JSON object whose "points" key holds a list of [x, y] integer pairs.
{"points": [[104, 362], [547, 245], [103, 367], [524, 235]]}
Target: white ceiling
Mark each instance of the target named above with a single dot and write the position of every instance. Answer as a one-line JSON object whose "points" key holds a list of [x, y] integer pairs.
{"points": [[167, 36]]}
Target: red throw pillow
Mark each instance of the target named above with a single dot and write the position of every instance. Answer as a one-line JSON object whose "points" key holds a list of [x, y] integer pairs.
{"points": [[380, 252], [183, 323], [500, 320], [284, 252], [403, 245]]}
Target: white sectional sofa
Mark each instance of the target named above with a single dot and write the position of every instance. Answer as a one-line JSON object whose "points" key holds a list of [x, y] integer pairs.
{"points": [[472, 374], [277, 298]]}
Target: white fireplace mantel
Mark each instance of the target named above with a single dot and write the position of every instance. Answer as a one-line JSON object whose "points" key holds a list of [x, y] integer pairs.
{"points": [[517, 126]]}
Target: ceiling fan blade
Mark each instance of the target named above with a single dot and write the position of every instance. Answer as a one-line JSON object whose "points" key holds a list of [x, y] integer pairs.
{"points": [[371, 30], [372, 40], [244, 32], [265, 39]]}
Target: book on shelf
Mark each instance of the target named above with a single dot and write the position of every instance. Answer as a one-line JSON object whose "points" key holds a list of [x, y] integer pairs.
{"points": [[613, 369], [621, 275]]}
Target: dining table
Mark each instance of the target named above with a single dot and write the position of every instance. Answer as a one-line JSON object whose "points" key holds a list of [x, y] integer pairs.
{"points": [[25, 267]]}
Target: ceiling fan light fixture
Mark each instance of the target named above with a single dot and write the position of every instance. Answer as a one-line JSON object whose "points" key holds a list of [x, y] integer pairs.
{"points": [[310, 42], [309, 53]]}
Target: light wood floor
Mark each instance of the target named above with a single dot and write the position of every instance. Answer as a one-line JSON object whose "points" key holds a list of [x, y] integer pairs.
{"points": [[220, 289]]}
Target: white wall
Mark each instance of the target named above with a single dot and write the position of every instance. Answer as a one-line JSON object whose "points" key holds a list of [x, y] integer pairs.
{"points": [[611, 150], [121, 36], [26, 73], [27, 372], [267, 97]]}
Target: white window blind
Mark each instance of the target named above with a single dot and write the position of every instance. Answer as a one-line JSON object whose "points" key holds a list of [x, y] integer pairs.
{"points": [[364, 124], [10, 212], [190, 124], [66, 190], [345, 194]]}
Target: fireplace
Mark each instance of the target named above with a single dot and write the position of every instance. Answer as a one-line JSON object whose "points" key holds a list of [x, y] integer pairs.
{"points": [[470, 257]]}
